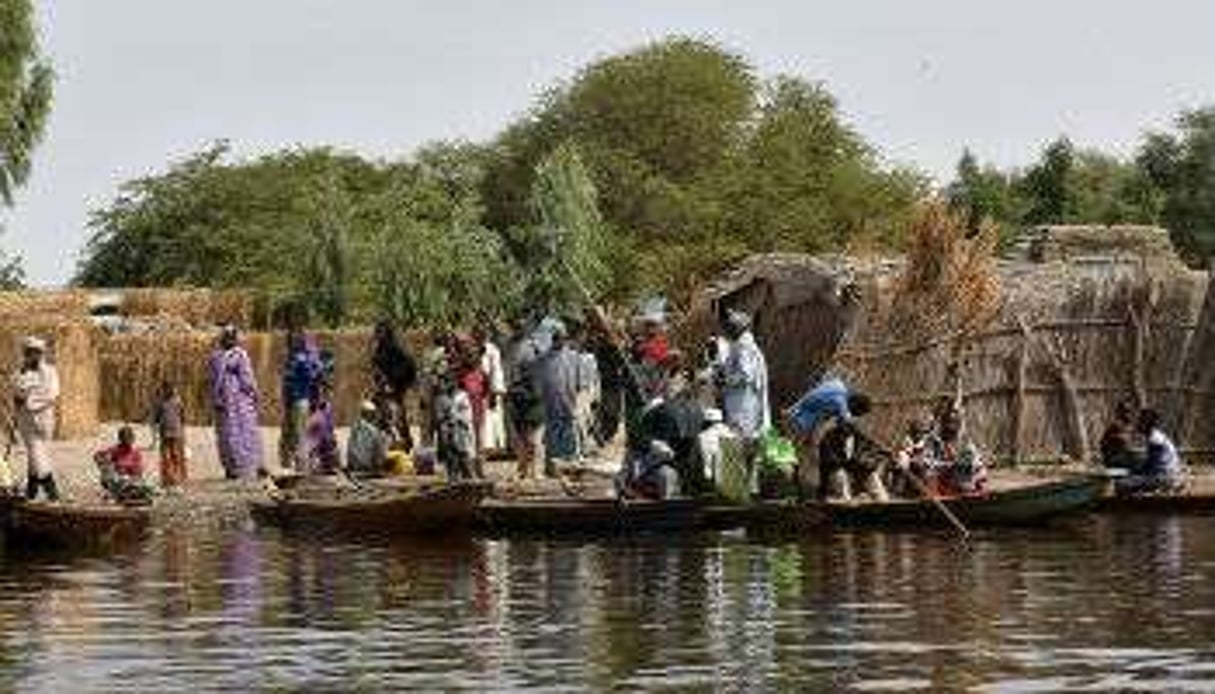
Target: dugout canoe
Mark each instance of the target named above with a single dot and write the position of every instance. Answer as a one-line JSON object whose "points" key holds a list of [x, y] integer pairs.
{"points": [[375, 511], [605, 517], [1025, 505], [33, 526]]}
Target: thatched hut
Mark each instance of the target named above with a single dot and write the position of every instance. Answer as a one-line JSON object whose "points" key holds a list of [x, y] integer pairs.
{"points": [[1068, 337]]}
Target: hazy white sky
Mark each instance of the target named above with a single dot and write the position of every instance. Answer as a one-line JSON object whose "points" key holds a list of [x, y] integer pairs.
{"points": [[142, 82]]}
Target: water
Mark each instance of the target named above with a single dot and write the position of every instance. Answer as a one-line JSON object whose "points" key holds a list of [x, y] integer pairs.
{"points": [[1098, 605]]}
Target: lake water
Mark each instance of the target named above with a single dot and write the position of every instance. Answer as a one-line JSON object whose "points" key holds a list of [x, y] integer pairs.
{"points": [[1099, 604]]}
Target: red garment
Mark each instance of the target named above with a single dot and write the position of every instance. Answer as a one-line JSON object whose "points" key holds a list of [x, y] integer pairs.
{"points": [[127, 460], [475, 383], [654, 349]]}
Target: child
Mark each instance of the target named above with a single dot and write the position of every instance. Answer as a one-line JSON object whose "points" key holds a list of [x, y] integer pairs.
{"points": [[367, 448], [168, 422], [121, 470], [454, 428], [914, 458], [320, 435]]}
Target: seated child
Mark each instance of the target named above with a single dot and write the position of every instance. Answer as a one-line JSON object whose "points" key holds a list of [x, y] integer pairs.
{"points": [[649, 474], [914, 458], [367, 449], [121, 470]]}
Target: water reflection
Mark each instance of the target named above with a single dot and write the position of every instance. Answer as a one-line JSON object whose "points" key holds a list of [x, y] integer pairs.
{"points": [[1104, 603]]}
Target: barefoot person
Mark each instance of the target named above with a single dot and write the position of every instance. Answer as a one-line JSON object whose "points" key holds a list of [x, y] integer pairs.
{"points": [[35, 390], [234, 396], [169, 424]]}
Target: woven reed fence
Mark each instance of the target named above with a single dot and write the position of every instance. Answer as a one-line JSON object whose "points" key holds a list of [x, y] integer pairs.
{"points": [[1039, 381]]}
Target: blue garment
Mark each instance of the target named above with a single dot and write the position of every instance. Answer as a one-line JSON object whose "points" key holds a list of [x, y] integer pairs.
{"points": [[302, 375], [826, 400]]}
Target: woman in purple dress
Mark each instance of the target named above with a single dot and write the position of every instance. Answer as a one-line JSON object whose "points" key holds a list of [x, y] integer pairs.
{"points": [[234, 395]]}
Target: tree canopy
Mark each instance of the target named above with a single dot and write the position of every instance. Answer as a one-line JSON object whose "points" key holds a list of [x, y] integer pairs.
{"points": [[25, 102], [645, 172], [1065, 185]]}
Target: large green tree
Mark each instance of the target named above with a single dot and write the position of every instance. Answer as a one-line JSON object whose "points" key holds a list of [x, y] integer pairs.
{"points": [[1182, 167], [697, 161], [326, 234], [25, 102]]}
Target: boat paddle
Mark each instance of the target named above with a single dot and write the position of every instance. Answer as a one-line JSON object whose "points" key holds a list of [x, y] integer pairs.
{"points": [[925, 491]]}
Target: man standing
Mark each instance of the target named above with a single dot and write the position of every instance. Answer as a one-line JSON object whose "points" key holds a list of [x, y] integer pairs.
{"points": [[744, 380], [493, 426], [35, 390], [524, 408], [560, 372]]}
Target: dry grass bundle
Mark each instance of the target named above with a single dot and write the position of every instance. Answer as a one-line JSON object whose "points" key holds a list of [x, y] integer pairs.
{"points": [[71, 350], [44, 305], [949, 284], [195, 307], [135, 365]]}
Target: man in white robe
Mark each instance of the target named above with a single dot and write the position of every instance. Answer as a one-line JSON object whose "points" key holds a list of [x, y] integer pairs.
{"points": [[35, 391]]}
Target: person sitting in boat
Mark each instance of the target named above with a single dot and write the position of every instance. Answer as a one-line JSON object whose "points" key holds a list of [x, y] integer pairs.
{"points": [[121, 470], [1117, 442], [649, 474], [960, 468], [454, 431], [709, 444], [1161, 469], [914, 458], [367, 448], [848, 459]]}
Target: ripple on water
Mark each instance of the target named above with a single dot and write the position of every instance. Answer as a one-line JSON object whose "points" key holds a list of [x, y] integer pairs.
{"points": [[1076, 609]]}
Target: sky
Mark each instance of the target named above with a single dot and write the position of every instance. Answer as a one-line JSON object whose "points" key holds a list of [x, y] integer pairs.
{"points": [[142, 83]]}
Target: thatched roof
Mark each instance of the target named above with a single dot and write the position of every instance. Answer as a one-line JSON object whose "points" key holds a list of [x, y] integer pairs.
{"points": [[795, 278], [1081, 241]]}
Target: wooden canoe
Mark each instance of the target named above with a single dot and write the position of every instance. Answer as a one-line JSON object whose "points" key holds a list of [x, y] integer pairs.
{"points": [[1027, 505], [611, 517], [436, 509], [33, 526], [545, 516]]}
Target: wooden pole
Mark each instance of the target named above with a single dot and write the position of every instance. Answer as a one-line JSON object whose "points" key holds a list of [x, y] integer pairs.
{"points": [[1019, 396]]}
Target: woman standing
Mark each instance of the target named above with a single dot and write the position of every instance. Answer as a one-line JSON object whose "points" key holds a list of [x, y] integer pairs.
{"points": [[395, 372], [35, 390], [234, 396]]}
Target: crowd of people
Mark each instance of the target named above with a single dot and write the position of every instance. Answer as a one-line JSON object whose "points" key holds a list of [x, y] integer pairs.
{"points": [[550, 393]]}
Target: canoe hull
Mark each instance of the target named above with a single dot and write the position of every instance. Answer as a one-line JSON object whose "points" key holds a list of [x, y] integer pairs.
{"points": [[447, 509], [1028, 505], [37, 526]]}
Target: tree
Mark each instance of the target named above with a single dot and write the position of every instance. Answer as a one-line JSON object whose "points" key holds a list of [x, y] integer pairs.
{"points": [[697, 162], [982, 193], [1182, 166], [328, 234], [1045, 185], [562, 252], [1065, 186], [25, 102]]}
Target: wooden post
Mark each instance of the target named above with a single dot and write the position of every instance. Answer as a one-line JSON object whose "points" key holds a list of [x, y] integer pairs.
{"points": [[1019, 402], [1196, 372], [1138, 339]]}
